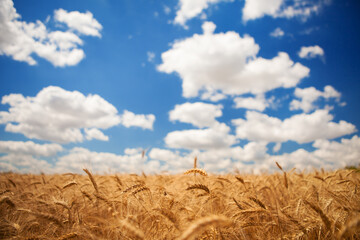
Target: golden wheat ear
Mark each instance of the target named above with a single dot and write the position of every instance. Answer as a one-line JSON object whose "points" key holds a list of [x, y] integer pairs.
{"points": [[279, 166], [199, 186], [196, 170], [92, 179]]}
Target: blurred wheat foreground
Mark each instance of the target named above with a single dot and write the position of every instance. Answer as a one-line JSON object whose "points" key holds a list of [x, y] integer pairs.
{"points": [[195, 205]]}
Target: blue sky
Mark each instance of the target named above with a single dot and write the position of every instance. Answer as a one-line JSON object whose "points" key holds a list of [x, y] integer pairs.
{"points": [[239, 84]]}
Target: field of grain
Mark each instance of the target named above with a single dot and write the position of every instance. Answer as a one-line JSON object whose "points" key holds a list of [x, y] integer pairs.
{"points": [[195, 205]]}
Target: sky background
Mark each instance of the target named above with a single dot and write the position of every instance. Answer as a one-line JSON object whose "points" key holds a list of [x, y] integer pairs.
{"points": [[239, 84]]}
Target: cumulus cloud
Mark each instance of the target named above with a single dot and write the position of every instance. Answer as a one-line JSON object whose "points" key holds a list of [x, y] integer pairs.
{"points": [[24, 163], [257, 103], [94, 133], [213, 96], [327, 155], [277, 33], [212, 160], [29, 148], [101, 162], [171, 161], [83, 23], [57, 115], [255, 9], [189, 9], [301, 128], [258, 8], [311, 52], [226, 63], [133, 151], [251, 158], [26, 157], [130, 119], [75, 160], [198, 114], [308, 96], [21, 40], [215, 137]]}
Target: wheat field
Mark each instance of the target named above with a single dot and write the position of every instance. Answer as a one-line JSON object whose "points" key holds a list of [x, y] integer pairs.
{"points": [[193, 205]]}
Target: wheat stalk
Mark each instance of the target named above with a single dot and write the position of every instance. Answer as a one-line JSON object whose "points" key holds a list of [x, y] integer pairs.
{"points": [[43, 216], [324, 218], [169, 215], [132, 230], [349, 228], [238, 204], [201, 224]]}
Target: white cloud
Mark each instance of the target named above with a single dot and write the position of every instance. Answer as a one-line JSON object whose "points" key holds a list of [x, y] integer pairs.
{"points": [[212, 160], [308, 96], [258, 8], [24, 156], [64, 40], [189, 9], [100, 162], [226, 63], [104, 162], [311, 52], [328, 155], [162, 154], [83, 23], [208, 28], [77, 159], [171, 161], [21, 40], [57, 115], [129, 119], [210, 138], [24, 163], [94, 133], [301, 128], [258, 103], [133, 151], [301, 9], [255, 9], [213, 96], [150, 56], [198, 114], [347, 151], [29, 148], [277, 33], [330, 92], [252, 158]]}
